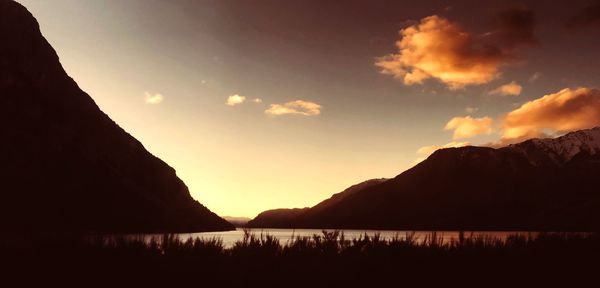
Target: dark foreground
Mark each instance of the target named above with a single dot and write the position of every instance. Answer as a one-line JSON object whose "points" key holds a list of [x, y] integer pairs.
{"points": [[326, 260]]}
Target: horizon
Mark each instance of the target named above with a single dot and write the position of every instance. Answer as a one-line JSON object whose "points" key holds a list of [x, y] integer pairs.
{"points": [[298, 103]]}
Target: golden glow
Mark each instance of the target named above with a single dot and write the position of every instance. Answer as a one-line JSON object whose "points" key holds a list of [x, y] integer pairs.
{"points": [[205, 64]]}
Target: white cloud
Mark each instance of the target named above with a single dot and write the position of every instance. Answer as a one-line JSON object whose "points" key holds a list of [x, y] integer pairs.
{"points": [[153, 98], [299, 107], [235, 100], [257, 100]]}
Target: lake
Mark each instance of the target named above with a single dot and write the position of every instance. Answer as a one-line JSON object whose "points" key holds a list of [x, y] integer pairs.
{"points": [[285, 235]]}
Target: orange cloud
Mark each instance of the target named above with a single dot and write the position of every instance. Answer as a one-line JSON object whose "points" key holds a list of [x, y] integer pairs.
{"points": [[437, 48], [566, 110], [428, 150], [467, 127], [510, 89], [300, 107], [440, 49]]}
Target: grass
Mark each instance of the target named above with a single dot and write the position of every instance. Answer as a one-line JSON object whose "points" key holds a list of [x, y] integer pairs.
{"points": [[325, 260]]}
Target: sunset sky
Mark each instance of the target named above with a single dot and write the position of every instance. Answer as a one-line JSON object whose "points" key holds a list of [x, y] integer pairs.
{"points": [[277, 104]]}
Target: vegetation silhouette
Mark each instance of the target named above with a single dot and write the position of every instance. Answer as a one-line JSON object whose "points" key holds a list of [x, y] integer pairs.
{"points": [[71, 168], [326, 260]]}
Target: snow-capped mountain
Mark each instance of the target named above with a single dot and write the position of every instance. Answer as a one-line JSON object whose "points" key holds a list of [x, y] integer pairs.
{"points": [[539, 184], [562, 149]]}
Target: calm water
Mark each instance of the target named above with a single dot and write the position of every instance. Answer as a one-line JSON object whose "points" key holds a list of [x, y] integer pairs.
{"points": [[285, 235]]}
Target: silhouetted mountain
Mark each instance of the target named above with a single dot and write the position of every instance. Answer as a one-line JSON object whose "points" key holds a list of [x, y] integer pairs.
{"points": [[66, 165], [282, 218], [277, 218], [237, 221], [539, 184]]}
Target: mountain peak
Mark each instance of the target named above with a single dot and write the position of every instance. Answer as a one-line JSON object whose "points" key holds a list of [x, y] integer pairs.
{"points": [[539, 184], [562, 149]]}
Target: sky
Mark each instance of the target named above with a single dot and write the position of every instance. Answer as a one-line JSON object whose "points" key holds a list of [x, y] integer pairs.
{"points": [[280, 104]]}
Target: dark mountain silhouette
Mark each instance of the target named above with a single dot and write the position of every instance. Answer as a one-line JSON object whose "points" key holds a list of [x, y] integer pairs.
{"points": [[539, 184], [66, 166], [282, 218], [277, 218]]}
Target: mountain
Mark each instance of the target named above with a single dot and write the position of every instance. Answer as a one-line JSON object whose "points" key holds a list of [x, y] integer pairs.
{"points": [[277, 218], [66, 165], [237, 221], [284, 218], [539, 184]]}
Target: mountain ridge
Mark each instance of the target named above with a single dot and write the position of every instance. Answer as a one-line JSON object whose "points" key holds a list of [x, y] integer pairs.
{"points": [[538, 184], [565, 147], [71, 167], [277, 217]]}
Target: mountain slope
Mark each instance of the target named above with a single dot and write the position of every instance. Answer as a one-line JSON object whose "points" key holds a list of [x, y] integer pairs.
{"points": [[237, 221], [277, 218], [66, 164], [283, 218], [539, 184]]}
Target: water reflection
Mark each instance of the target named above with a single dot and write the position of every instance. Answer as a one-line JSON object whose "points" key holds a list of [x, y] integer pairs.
{"points": [[286, 235]]}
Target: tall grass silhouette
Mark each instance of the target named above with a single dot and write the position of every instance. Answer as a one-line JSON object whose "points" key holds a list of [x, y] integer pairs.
{"points": [[328, 259]]}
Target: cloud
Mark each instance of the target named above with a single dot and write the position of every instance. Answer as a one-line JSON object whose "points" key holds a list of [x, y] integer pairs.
{"points": [[235, 100], [512, 89], [257, 100], [153, 98], [557, 113], [437, 48], [428, 150], [588, 16], [534, 77], [467, 127], [300, 107], [440, 49], [471, 110], [566, 110]]}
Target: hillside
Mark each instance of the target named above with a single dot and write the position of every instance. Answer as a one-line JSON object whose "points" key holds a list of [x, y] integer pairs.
{"points": [[286, 218], [539, 184], [66, 165]]}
